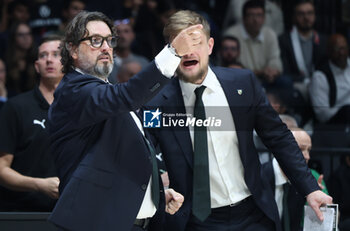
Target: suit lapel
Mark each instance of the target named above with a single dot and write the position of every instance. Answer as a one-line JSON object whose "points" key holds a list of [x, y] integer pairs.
{"points": [[175, 104]]}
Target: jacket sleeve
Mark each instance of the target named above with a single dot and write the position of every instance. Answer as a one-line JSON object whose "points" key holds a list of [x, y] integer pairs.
{"points": [[88, 100], [280, 141]]}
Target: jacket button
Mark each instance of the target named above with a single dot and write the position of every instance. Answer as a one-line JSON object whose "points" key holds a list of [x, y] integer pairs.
{"points": [[144, 187]]}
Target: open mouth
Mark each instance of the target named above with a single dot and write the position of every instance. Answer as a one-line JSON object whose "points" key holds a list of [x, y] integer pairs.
{"points": [[190, 63]]}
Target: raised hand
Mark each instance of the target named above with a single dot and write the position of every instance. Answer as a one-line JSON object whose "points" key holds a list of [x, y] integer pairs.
{"points": [[186, 41]]}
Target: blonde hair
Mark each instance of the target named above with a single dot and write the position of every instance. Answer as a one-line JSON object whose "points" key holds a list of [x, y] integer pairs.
{"points": [[182, 20]]}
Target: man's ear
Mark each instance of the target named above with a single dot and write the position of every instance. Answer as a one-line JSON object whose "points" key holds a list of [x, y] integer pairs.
{"points": [[36, 66], [210, 45], [73, 50]]}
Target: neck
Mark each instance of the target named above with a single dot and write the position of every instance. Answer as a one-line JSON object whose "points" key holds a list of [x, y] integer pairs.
{"points": [[305, 33], [47, 88]]}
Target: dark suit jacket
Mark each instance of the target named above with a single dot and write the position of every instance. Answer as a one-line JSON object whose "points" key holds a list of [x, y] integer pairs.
{"points": [[295, 200], [103, 162], [290, 66], [250, 110]]}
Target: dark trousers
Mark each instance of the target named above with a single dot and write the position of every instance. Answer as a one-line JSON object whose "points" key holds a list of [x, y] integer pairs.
{"points": [[242, 217]]}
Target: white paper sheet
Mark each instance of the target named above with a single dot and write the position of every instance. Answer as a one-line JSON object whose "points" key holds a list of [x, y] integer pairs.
{"points": [[312, 223]]}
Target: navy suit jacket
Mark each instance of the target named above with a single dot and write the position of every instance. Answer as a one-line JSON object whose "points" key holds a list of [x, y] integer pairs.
{"points": [[250, 110], [101, 156]]}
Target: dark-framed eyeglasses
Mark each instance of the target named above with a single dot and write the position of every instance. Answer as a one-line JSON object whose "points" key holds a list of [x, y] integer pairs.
{"points": [[96, 41]]}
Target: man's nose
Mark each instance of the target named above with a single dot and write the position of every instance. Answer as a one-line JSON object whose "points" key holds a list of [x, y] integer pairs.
{"points": [[105, 45]]}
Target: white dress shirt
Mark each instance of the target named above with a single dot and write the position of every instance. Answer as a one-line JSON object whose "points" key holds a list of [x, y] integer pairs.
{"points": [[319, 92], [260, 52], [226, 173], [280, 180]]}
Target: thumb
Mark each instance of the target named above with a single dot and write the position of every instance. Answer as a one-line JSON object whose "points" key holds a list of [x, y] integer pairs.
{"points": [[318, 212]]}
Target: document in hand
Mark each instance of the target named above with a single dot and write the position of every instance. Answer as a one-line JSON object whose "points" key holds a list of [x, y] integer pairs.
{"points": [[330, 222]]}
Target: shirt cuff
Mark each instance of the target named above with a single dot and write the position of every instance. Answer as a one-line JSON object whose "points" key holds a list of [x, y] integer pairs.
{"points": [[167, 62]]}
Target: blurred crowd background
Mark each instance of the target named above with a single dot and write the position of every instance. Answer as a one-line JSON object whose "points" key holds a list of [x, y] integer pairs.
{"points": [[297, 49]]}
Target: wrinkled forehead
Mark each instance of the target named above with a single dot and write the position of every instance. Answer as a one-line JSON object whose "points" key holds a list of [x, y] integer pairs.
{"points": [[98, 28]]}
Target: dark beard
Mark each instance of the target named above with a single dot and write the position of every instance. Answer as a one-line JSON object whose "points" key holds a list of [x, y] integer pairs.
{"points": [[192, 79], [304, 29]]}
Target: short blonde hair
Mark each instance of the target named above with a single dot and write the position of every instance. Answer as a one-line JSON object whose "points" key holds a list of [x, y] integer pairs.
{"points": [[182, 20]]}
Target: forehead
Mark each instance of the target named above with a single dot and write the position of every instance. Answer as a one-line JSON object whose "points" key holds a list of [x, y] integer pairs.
{"points": [[340, 41], [123, 27], [255, 10], [302, 137], [98, 27], [49, 46], [77, 3], [23, 27], [229, 42], [304, 7]]}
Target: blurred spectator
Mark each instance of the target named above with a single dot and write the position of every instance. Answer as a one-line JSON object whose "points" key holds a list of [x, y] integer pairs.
{"points": [[289, 120], [273, 15], [113, 9], [12, 12], [123, 50], [27, 170], [149, 27], [259, 46], [45, 17], [70, 9], [3, 90], [131, 8], [276, 102], [330, 84], [229, 51], [128, 69], [19, 59], [303, 48], [289, 202]]}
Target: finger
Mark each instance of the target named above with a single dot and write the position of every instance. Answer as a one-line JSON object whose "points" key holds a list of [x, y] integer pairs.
{"points": [[193, 28], [168, 210], [179, 198], [175, 205], [318, 212], [320, 179]]}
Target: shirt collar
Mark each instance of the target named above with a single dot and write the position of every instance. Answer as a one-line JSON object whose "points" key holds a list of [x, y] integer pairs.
{"points": [[336, 69], [246, 36], [41, 99], [81, 72], [210, 81]]}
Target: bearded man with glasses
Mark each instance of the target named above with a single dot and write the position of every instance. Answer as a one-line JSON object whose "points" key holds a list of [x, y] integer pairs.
{"points": [[107, 168]]}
